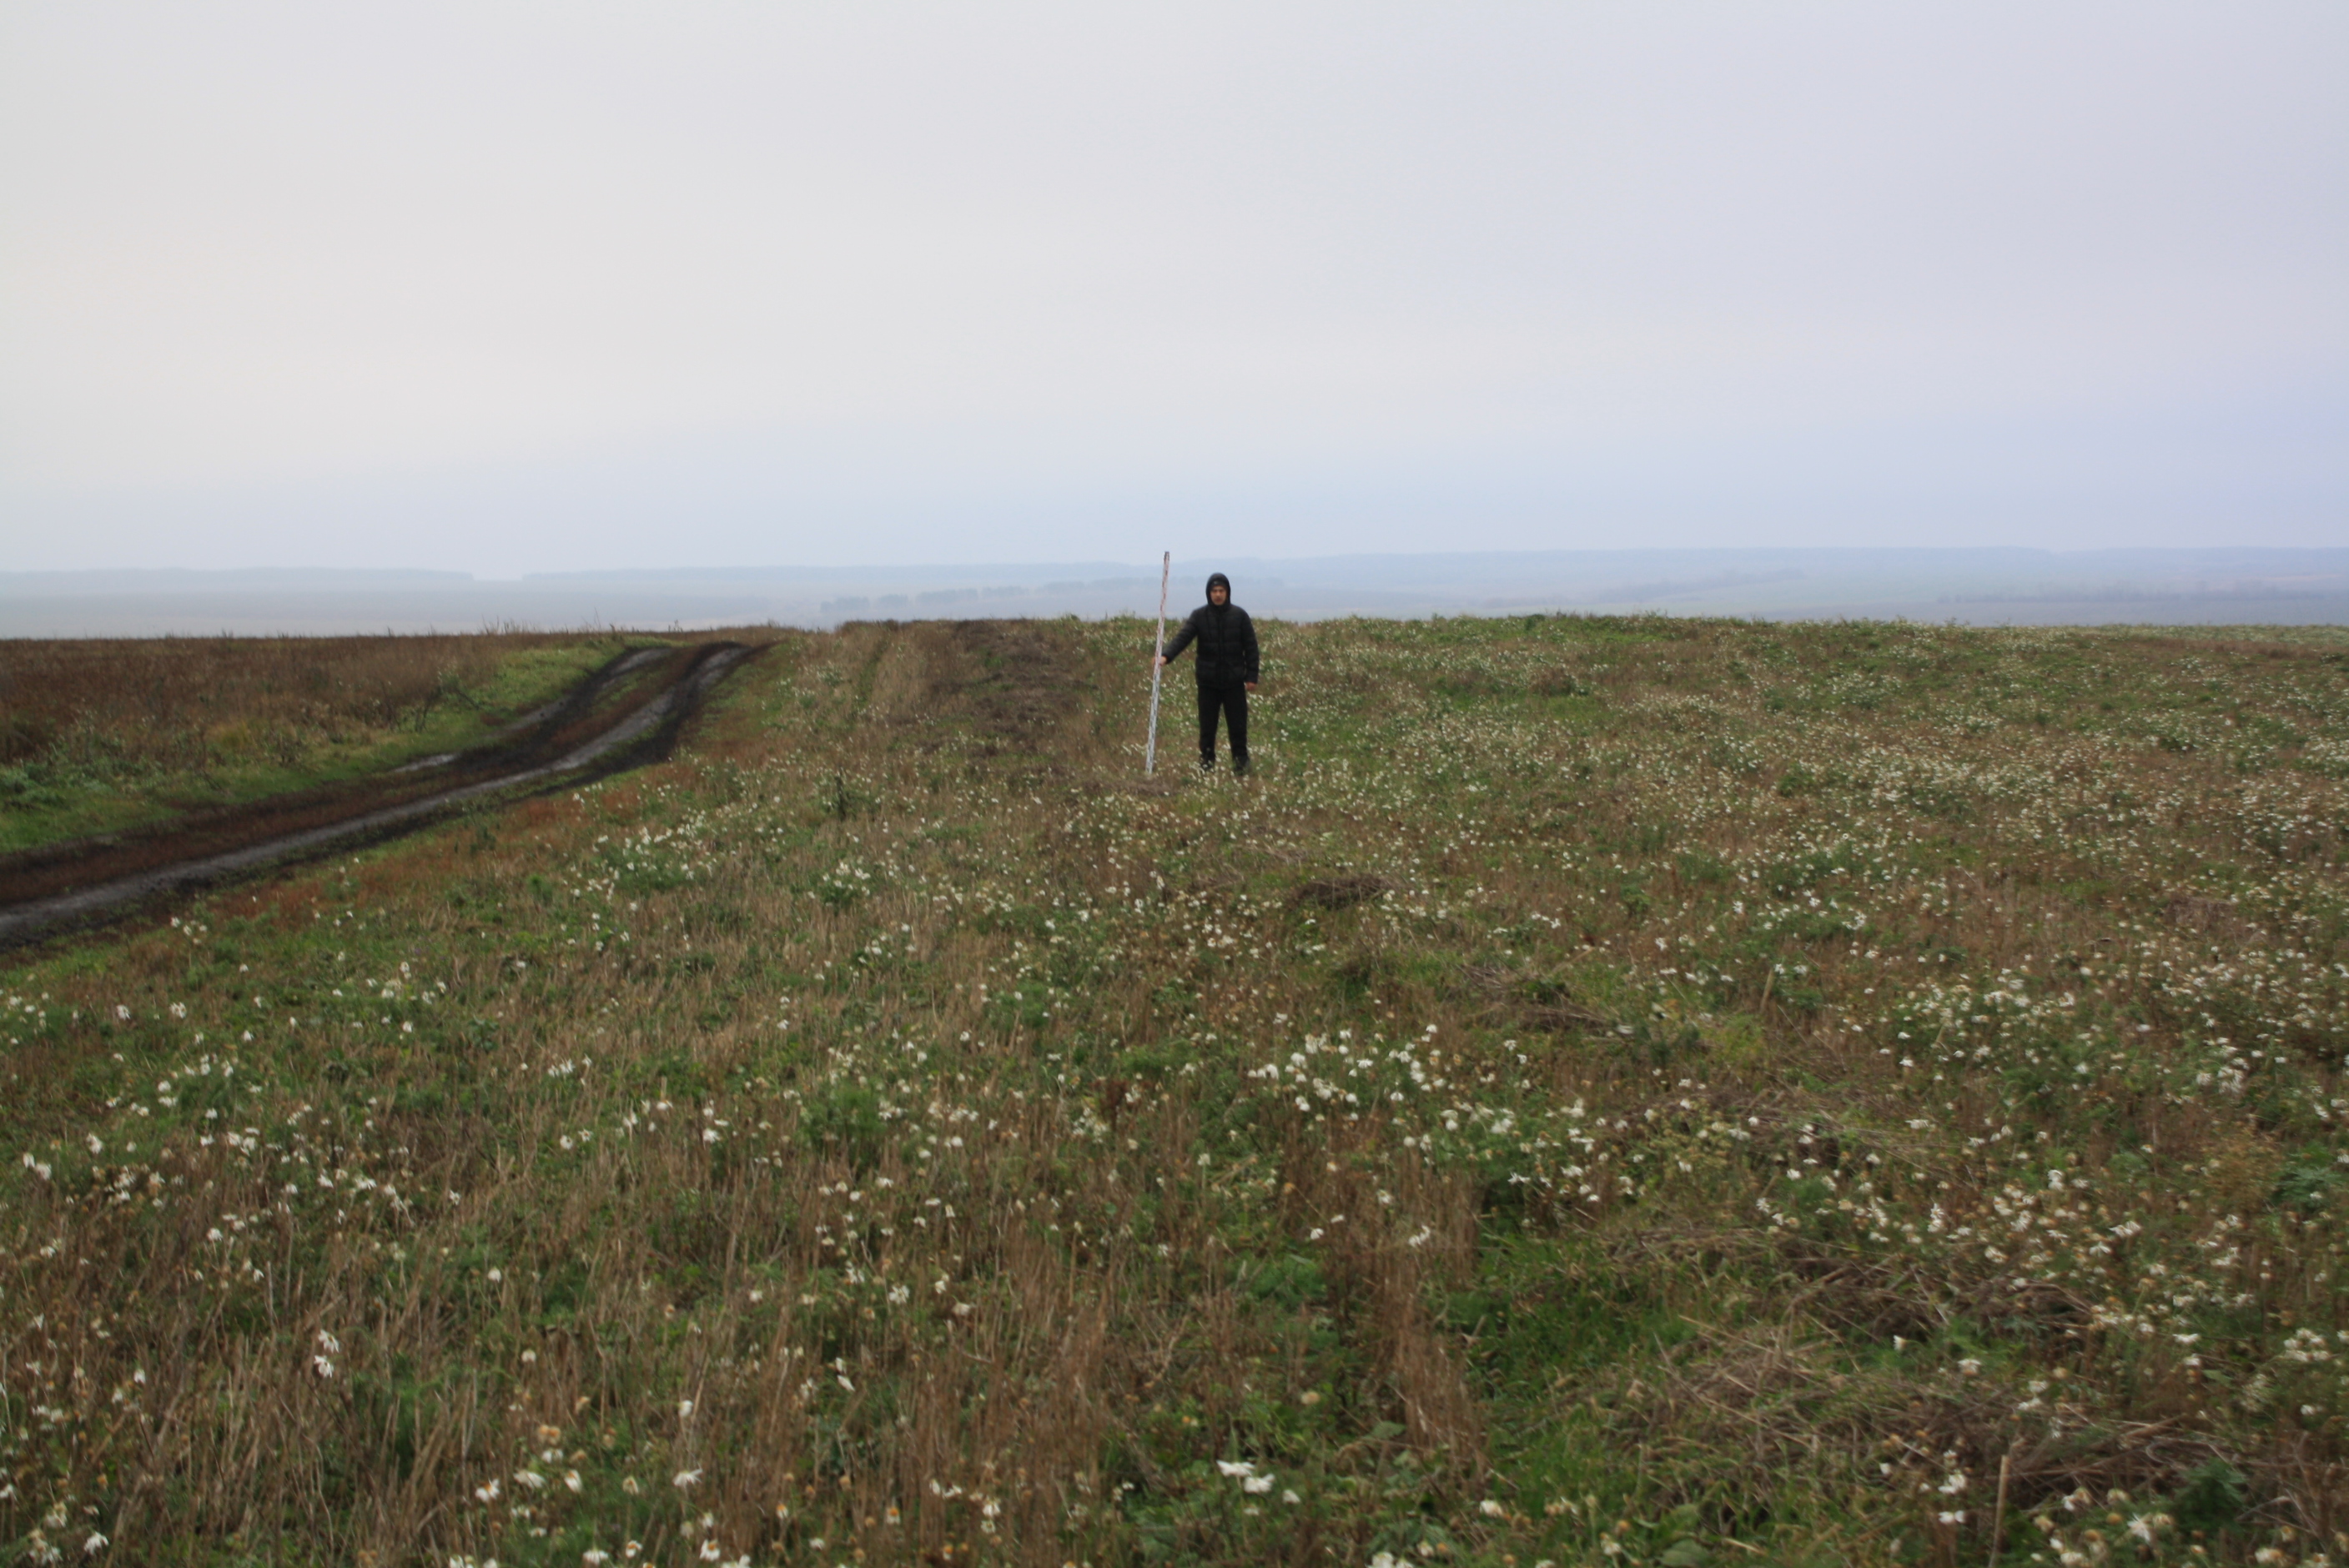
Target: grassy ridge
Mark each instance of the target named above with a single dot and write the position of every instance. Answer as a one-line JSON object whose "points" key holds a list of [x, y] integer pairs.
{"points": [[1642, 1091], [100, 736]]}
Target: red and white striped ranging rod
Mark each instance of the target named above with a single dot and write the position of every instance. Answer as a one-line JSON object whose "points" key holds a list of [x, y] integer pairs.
{"points": [[1157, 669]]}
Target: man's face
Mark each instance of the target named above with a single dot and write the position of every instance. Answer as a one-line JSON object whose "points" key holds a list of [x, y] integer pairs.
{"points": [[1218, 595]]}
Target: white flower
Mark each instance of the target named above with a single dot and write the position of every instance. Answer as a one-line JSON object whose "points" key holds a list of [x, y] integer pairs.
{"points": [[530, 1478], [1258, 1484], [1492, 1510], [685, 1479], [1290, 1496], [1236, 1467], [94, 1544], [595, 1557]]}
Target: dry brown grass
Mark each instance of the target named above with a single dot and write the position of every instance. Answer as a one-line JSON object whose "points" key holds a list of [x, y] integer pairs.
{"points": [[1115, 1335], [1071, 1332], [169, 701]]}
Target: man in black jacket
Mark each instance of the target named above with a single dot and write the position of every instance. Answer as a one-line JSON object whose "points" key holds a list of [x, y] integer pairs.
{"points": [[1226, 668]]}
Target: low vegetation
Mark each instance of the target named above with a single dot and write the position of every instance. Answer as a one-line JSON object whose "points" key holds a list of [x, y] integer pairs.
{"points": [[1627, 1091], [102, 734]]}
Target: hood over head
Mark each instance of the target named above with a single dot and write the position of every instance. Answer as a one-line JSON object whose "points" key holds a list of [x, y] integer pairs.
{"points": [[1215, 578]]}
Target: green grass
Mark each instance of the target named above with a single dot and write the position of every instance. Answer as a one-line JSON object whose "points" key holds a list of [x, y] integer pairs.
{"points": [[107, 789], [1624, 1091]]}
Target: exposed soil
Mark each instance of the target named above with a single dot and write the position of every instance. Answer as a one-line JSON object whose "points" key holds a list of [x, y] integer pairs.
{"points": [[580, 735], [1339, 893], [1016, 679]]}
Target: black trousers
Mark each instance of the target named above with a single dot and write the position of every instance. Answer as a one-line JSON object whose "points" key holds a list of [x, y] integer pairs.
{"points": [[1231, 703]]}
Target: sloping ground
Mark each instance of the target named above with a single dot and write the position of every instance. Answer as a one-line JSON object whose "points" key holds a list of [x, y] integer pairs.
{"points": [[106, 737], [618, 715], [1604, 1091]]}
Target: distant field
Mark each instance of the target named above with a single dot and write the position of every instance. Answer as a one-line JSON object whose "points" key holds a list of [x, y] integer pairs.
{"points": [[1607, 1091], [1976, 586]]}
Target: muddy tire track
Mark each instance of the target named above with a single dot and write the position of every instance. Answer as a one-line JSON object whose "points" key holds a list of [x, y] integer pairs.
{"points": [[572, 741]]}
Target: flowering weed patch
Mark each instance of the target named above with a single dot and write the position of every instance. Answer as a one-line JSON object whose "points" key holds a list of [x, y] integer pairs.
{"points": [[1604, 1091]]}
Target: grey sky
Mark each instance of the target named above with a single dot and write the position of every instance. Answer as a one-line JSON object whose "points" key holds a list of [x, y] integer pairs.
{"points": [[506, 288]]}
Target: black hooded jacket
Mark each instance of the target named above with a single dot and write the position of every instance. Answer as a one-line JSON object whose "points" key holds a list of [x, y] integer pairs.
{"points": [[1227, 639]]}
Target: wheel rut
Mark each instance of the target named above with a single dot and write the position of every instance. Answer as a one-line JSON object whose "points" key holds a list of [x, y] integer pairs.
{"points": [[578, 738]]}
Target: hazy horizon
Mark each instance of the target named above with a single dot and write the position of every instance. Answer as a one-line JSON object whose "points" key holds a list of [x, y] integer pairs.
{"points": [[1998, 585], [520, 287]]}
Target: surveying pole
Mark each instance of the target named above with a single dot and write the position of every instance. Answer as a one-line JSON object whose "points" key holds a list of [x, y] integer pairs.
{"points": [[1157, 670]]}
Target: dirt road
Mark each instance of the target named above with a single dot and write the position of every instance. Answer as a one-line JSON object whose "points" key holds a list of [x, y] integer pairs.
{"points": [[581, 736]]}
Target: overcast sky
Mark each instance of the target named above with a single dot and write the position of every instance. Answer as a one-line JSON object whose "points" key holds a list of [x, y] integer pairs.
{"points": [[510, 288]]}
